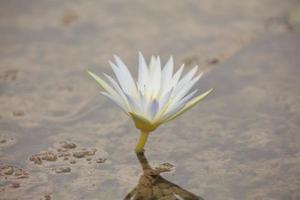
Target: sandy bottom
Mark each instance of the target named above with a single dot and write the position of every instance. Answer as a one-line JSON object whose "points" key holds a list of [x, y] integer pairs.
{"points": [[60, 139]]}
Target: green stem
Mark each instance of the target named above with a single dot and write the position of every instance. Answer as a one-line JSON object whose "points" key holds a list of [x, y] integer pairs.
{"points": [[142, 141]]}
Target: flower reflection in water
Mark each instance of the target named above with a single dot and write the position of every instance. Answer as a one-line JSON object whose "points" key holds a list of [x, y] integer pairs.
{"points": [[152, 186]]}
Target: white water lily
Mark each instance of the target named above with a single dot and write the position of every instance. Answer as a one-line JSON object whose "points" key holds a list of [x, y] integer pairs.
{"points": [[158, 95]]}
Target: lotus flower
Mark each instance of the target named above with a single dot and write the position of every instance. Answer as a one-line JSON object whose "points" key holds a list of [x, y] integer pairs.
{"points": [[157, 97]]}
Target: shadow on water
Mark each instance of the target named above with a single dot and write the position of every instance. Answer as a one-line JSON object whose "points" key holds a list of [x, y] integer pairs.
{"points": [[152, 186]]}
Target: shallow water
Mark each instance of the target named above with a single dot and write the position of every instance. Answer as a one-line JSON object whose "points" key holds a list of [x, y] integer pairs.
{"points": [[242, 142]]}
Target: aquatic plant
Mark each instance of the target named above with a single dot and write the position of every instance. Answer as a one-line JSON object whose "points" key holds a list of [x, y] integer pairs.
{"points": [[157, 97]]}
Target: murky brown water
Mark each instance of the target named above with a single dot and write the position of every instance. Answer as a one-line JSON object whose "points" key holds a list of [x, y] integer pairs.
{"points": [[59, 139]]}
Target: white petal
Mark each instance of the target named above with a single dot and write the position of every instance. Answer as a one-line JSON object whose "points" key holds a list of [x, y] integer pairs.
{"points": [[172, 110], [163, 101], [156, 77], [117, 101], [188, 97], [143, 103], [166, 76], [126, 73], [185, 89], [134, 105], [143, 73], [190, 74], [152, 63], [190, 104], [103, 84], [117, 88], [186, 79], [178, 101], [121, 78], [177, 75], [172, 83], [152, 109], [148, 87]]}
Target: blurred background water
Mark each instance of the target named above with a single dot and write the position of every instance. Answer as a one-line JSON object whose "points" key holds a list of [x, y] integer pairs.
{"points": [[60, 139]]}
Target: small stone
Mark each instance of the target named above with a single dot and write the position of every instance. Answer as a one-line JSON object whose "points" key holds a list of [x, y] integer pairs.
{"points": [[22, 176], [100, 160], [79, 154], [47, 197], [48, 156], [18, 173], [64, 154], [15, 185], [72, 161], [83, 153], [69, 17], [167, 165], [18, 113], [88, 159], [66, 158], [38, 161], [67, 145], [213, 61], [2, 141], [164, 167], [9, 170], [63, 170]]}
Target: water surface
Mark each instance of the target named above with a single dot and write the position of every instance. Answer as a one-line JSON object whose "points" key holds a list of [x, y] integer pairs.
{"points": [[242, 142]]}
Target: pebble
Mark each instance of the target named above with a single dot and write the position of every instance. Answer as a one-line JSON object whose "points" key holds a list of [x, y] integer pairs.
{"points": [[2, 141], [22, 176], [72, 161], [63, 154], [100, 160], [48, 156], [79, 154], [67, 145], [9, 170], [164, 167], [47, 197], [213, 61], [38, 161], [63, 170], [19, 173], [18, 113], [15, 185], [88, 159], [83, 153]]}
